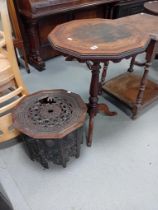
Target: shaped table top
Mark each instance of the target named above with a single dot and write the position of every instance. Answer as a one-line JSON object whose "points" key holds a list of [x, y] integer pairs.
{"points": [[100, 38], [152, 7], [49, 114]]}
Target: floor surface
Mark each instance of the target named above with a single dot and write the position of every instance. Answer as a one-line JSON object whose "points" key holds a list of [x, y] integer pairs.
{"points": [[119, 171]]}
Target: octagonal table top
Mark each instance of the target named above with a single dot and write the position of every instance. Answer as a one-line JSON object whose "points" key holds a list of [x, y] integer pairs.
{"points": [[99, 38], [49, 114], [152, 7]]}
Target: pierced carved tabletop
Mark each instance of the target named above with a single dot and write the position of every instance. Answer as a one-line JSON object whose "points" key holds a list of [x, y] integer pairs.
{"points": [[96, 41], [52, 121]]}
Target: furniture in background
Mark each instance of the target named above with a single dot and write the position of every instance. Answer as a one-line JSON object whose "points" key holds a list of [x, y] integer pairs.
{"points": [[40, 17], [128, 7], [147, 25], [151, 8], [136, 91], [12, 89], [17, 37], [52, 122], [97, 41]]}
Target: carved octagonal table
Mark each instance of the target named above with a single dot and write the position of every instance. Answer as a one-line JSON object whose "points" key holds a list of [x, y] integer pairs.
{"points": [[96, 41], [52, 122]]}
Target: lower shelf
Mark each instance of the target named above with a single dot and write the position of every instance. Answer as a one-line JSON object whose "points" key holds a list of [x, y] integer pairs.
{"points": [[125, 87]]}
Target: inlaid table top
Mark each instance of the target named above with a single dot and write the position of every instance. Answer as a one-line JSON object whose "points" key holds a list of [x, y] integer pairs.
{"points": [[152, 7], [97, 38]]}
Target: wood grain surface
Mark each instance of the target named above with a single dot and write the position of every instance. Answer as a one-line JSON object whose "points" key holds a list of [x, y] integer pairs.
{"points": [[98, 38]]}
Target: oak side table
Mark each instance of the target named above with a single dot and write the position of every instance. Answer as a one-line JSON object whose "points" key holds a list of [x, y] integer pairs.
{"points": [[96, 41]]}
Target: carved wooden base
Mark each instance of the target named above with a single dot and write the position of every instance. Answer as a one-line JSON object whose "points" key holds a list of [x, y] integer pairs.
{"points": [[125, 88], [37, 62], [58, 151]]}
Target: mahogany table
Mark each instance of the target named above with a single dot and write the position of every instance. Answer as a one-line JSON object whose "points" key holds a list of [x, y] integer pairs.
{"points": [[96, 41]]}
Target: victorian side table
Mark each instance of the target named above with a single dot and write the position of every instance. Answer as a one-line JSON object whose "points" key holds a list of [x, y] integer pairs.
{"points": [[52, 122], [124, 88], [96, 41]]}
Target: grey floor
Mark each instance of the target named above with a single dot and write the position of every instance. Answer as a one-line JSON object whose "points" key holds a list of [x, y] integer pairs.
{"points": [[120, 170]]}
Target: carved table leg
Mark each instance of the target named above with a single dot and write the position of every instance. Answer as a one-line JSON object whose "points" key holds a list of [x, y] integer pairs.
{"points": [[25, 59], [34, 54], [62, 153], [103, 76], [93, 99], [93, 106], [141, 91], [79, 139], [131, 68], [41, 153], [104, 72], [149, 57]]}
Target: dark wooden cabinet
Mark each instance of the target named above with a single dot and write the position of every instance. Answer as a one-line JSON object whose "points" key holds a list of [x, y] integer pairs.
{"points": [[39, 17], [128, 7]]}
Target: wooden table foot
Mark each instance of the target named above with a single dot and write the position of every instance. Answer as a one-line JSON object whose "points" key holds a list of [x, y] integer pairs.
{"points": [[103, 108], [90, 129]]}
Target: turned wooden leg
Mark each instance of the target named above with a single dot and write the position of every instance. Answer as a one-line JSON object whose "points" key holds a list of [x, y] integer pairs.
{"points": [[93, 99], [131, 68], [104, 72], [150, 53], [103, 76], [142, 87], [93, 106], [90, 128]]}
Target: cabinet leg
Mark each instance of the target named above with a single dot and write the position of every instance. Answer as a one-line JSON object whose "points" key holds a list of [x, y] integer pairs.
{"points": [[34, 45]]}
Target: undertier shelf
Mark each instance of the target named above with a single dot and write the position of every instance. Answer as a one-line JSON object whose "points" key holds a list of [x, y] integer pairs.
{"points": [[125, 87]]}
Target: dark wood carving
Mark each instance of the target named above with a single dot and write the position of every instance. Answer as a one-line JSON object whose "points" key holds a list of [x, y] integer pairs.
{"points": [[58, 151], [52, 122]]}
